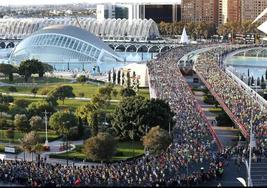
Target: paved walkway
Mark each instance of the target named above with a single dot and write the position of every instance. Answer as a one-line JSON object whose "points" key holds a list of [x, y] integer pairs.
{"points": [[45, 96], [54, 148]]}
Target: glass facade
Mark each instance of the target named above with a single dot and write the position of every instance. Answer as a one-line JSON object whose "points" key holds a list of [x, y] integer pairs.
{"points": [[60, 49]]}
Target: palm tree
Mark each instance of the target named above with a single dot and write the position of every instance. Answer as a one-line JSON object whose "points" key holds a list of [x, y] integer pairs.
{"points": [[38, 148], [28, 142]]}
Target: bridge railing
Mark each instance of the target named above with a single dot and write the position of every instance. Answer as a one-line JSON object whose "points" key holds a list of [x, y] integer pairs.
{"points": [[209, 126], [250, 91], [226, 109]]}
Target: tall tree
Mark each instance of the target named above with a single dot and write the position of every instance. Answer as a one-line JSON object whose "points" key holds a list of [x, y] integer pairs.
{"points": [[127, 92], [114, 77], [100, 147], [62, 92], [8, 70], [36, 123], [157, 140], [29, 67], [37, 108], [119, 77], [158, 112], [128, 79], [128, 118], [62, 122], [21, 123], [89, 113], [109, 76], [29, 142], [3, 108]]}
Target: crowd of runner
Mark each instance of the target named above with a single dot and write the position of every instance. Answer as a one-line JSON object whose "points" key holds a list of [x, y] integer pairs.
{"points": [[242, 104], [191, 159]]}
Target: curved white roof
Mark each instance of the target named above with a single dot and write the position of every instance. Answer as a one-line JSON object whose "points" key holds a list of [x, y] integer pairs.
{"points": [[61, 43], [107, 29], [78, 33]]}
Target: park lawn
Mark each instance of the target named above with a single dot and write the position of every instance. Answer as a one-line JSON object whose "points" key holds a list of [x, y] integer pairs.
{"points": [[20, 89], [144, 92], [18, 79], [70, 104], [89, 90], [18, 135], [31, 99], [124, 151]]}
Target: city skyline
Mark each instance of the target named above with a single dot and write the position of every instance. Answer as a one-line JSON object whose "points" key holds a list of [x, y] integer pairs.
{"points": [[58, 2]]}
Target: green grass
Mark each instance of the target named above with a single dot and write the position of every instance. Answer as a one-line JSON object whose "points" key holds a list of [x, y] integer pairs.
{"points": [[124, 151], [27, 90], [144, 92], [38, 80], [18, 135], [89, 90], [215, 110]]}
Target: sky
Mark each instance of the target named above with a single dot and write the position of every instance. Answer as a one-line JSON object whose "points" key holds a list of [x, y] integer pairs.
{"points": [[38, 2]]}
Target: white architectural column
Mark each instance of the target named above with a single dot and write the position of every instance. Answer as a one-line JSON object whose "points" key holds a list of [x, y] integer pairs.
{"points": [[174, 13]]}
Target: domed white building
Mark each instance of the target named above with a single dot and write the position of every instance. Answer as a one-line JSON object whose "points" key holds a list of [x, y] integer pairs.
{"points": [[63, 44]]}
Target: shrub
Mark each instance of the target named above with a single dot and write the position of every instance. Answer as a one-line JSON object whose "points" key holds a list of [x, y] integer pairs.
{"points": [[100, 147], [157, 140], [44, 91], [81, 94], [21, 103], [12, 89]]}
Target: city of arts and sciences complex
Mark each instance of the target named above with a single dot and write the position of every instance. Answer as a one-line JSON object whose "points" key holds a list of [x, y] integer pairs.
{"points": [[130, 93]]}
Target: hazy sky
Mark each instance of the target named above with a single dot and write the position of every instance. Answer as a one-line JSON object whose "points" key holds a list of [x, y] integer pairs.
{"points": [[37, 2]]}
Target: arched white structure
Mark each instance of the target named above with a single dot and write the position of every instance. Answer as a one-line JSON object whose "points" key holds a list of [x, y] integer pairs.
{"points": [[63, 44], [107, 29]]}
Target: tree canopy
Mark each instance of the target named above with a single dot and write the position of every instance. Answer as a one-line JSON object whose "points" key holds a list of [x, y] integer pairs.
{"points": [[38, 108], [129, 116], [8, 70], [136, 113], [33, 66], [62, 92], [100, 147], [156, 140], [62, 122], [127, 92], [21, 122]]}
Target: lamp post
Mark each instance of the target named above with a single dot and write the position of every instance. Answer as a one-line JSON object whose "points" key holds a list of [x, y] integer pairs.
{"points": [[67, 141], [251, 142], [46, 138], [146, 134], [132, 136]]}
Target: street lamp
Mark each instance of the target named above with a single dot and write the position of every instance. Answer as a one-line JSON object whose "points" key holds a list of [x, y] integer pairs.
{"points": [[133, 123], [46, 138], [145, 147], [251, 142], [67, 142]]}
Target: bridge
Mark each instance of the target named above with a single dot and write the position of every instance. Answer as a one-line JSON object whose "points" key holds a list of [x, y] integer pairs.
{"points": [[252, 52], [156, 46]]}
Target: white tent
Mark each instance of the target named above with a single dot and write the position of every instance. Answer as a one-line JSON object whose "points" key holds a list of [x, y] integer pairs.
{"points": [[184, 37], [263, 27]]}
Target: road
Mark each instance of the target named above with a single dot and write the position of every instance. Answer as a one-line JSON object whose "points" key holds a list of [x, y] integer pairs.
{"points": [[44, 96]]}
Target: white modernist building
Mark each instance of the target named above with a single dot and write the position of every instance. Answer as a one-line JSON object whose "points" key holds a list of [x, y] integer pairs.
{"points": [[106, 29], [63, 44]]}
